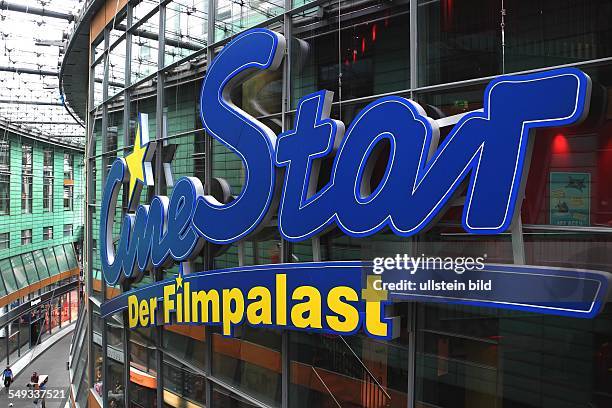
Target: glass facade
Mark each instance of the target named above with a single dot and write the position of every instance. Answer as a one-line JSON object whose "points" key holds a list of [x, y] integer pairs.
{"points": [[29, 328], [151, 59]]}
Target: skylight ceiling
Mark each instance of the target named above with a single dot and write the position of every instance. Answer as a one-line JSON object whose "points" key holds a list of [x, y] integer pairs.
{"points": [[32, 34]]}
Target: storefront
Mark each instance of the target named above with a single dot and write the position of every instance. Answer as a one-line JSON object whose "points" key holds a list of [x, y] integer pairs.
{"points": [[147, 64]]}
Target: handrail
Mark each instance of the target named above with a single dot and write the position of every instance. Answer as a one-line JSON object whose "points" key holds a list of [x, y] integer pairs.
{"points": [[326, 387], [77, 327], [374, 379]]}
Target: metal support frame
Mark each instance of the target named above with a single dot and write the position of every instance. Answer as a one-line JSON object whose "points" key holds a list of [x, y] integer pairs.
{"points": [[24, 70], [159, 135], [42, 122], [104, 135], [30, 102], [208, 170], [127, 355], [90, 195], [36, 11]]}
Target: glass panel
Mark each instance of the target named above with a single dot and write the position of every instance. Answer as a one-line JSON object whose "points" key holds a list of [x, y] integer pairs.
{"points": [[51, 261], [98, 82], [143, 358], [354, 371], [30, 267], [115, 359], [70, 256], [98, 369], [7, 275], [458, 40], [372, 52], [19, 271], [80, 355], [222, 398], [143, 8], [187, 343], [116, 69], [61, 258], [477, 357], [250, 361], [552, 32], [232, 17], [13, 341], [145, 46], [24, 333], [3, 291], [56, 313], [41, 265], [142, 349], [186, 28], [184, 383]]}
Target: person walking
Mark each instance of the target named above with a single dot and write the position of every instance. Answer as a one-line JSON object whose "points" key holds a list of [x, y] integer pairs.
{"points": [[7, 376]]}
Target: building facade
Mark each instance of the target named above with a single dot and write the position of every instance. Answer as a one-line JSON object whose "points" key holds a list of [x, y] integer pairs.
{"points": [[149, 57], [41, 235]]}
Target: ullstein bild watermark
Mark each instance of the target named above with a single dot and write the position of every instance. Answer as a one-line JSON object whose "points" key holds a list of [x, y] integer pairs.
{"points": [[412, 264]]}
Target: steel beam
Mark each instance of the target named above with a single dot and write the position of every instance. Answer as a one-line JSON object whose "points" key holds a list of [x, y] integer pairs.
{"points": [[37, 11], [18, 70], [169, 41], [33, 122], [25, 102]]}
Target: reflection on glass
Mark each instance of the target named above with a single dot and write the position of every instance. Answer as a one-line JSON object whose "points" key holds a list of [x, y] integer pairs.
{"points": [[116, 69], [186, 28], [352, 371], [187, 343], [479, 357], [250, 361], [98, 82], [463, 40], [145, 46], [8, 276], [370, 56], [115, 360], [181, 383], [458, 40], [222, 398], [233, 17]]}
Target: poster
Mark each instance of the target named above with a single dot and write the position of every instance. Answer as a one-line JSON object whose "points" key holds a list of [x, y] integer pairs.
{"points": [[570, 198]]}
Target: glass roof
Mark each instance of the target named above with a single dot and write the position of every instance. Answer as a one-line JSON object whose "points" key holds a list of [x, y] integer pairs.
{"points": [[32, 34]]}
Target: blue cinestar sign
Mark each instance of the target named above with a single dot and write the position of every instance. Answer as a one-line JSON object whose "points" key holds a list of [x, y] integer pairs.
{"points": [[490, 147]]}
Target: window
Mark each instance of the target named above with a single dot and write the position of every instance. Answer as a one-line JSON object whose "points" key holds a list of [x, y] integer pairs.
{"points": [[5, 177], [48, 180], [47, 233], [5, 242], [68, 166], [68, 181], [26, 179], [68, 230], [26, 237], [68, 193]]}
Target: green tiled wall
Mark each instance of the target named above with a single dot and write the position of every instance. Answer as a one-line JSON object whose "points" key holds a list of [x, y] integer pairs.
{"points": [[16, 221]]}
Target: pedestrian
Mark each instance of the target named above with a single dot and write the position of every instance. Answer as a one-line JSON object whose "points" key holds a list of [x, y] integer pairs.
{"points": [[7, 376], [34, 378], [35, 393], [43, 388]]}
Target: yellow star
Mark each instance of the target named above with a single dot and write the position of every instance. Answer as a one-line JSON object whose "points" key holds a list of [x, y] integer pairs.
{"points": [[139, 161], [179, 281]]}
